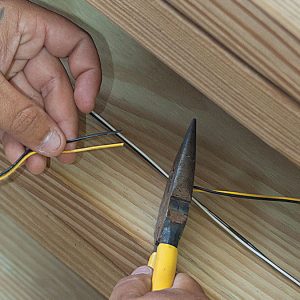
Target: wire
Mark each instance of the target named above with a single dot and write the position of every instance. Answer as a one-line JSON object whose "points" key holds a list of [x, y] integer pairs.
{"points": [[200, 189], [93, 135], [220, 222], [28, 153], [17, 164]]}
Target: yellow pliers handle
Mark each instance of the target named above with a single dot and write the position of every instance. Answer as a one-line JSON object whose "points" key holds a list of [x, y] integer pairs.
{"points": [[163, 262]]}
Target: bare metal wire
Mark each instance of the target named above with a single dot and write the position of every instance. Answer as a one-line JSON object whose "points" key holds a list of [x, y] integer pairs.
{"points": [[226, 227]]}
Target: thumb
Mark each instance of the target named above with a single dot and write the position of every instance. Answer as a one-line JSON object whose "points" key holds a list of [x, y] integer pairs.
{"points": [[27, 122], [134, 286], [185, 283]]}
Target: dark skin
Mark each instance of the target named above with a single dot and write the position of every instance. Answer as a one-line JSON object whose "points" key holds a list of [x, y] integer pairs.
{"points": [[39, 107]]}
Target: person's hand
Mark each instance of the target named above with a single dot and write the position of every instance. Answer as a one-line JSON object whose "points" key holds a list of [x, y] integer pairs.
{"points": [[137, 286], [38, 107]]}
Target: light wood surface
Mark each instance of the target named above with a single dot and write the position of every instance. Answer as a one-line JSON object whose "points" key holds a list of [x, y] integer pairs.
{"points": [[28, 271], [98, 215], [242, 92], [263, 33]]}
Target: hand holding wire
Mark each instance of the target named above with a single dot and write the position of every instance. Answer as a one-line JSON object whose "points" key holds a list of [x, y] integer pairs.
{"points": [[28, 153]]}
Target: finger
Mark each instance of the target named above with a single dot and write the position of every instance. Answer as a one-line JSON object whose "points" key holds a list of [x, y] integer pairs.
{"points": [[184, 287], [27, 122], [37, 163], [187, 283], [65, 39], [47, 75], [13, 150], [21, 83], [133, 286]]}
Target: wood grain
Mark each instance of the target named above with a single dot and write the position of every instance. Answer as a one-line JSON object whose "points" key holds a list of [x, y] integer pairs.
{"points": [[260, 33], [259, 105], [285, 13], [98, 215], [28, 271]]}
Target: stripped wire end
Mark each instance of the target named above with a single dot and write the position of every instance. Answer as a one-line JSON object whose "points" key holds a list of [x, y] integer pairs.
{"points": [[28, 153]]}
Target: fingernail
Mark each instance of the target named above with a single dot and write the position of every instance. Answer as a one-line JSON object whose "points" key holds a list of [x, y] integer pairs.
{"points": [[51, 143], [142, 270]]}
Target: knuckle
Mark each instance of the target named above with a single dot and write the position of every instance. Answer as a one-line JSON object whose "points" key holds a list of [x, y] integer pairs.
{"points": [[48, 87], [25, 119], [37, 99], [84, 35], [56, 79], [84, 39]]}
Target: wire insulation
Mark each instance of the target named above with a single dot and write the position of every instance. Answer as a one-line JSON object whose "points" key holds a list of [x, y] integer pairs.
{"points": [[219, 221], [12, 168], [200, 189], [28, 153], [18, 164]]}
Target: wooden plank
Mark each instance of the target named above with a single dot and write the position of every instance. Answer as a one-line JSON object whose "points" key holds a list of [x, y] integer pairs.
{"points": [[98, 215], [260, 106], [264, 34], [28, 271], [51, 231], [286, 13]]}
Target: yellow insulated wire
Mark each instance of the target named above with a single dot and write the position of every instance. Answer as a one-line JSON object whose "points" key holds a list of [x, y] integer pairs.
{"points": [[93, 148], [197, 189], [78, 150], [261, 196], [246, 195]]}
